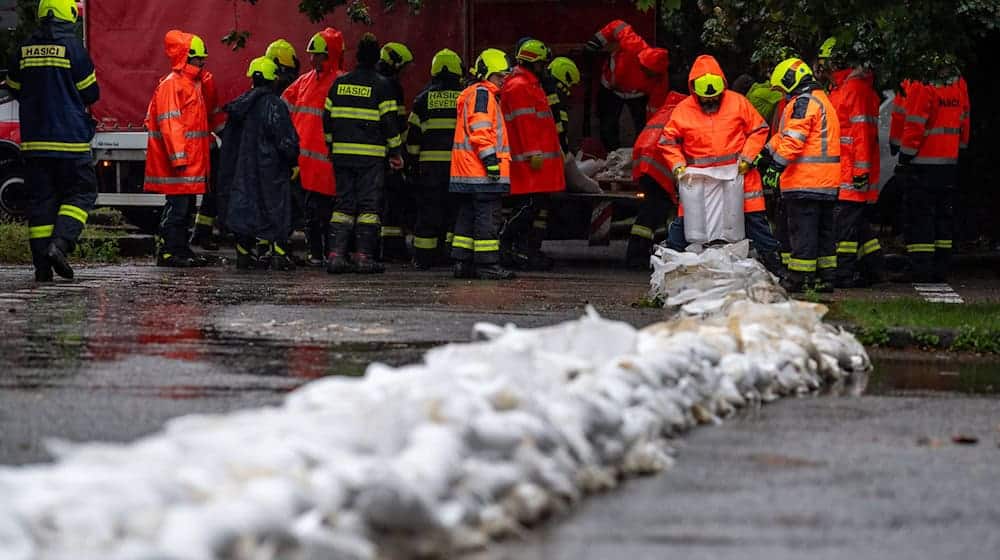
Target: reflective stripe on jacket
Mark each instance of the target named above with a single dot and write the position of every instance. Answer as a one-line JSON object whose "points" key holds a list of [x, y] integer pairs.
{"points": [[933, 128], [647, 157], [532, 134], [807, 143], [480, 137], [431, 132], [306, 98], [898, 112], [177, 159], [360, 119], [853, 96], [736, 132]]}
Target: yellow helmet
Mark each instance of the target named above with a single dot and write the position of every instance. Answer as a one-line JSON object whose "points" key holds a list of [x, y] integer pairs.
{"points": [[59, 9], [709, 85], [283, 53], [446, 59], [396, 55], [317, 45], [565, 71], [490, 61], [826, 49], [532, 50], [264, 67], [789, 73], [197, 48]]}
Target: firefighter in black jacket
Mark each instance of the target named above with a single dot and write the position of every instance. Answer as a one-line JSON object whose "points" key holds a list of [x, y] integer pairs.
{"points": [[52, 77], [428, 146], [360, 123], [394, 58]]}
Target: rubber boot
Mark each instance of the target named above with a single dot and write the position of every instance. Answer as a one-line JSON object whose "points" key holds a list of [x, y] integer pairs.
{"points": [[246, 255], [464, 269], [772, 262], [315, 239], [204, 238], [281, 259], [43, 269], [338, 264], [638, 251], [794, 283], [494, 272], [56, 253], [366, 264]]}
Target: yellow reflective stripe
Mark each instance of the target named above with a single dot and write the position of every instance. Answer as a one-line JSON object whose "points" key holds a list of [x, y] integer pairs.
{"points": [[449, 237], [87, 82], [849, 247], [438, 124], [277, 249], [486, 245], [641, 231], [391, 231], [13, 84], [920, 248], [56, 146], [45, 62], [394, 142], [341, 218], [350, 149], [462, 242], [802, 265], [203, 220], [413, 149], [353, 113], [539, 224], [75, 212], [425, 242], [870, 247], [387, 107], [327, 104], [942, 244], [368, 219], [786, 258], [827, 262], [414, 119], [436, 155], [40, 232]]}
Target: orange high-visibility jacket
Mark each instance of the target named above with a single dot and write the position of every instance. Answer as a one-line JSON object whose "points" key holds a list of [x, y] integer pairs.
{"points": [[807, 143], [480, 136], [622, 72], [647, 158], [306, 97], [216, 116], [936, 124], [898, 114], [177, 121], [533, 133], [853, 95], [735, 133]]}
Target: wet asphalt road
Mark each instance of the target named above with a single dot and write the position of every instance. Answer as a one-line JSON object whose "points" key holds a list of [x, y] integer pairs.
{"points": [[116, 353]]}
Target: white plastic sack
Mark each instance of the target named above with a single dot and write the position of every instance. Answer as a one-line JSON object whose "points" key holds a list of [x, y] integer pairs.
{"points": [[577, 180], [713, 204]]}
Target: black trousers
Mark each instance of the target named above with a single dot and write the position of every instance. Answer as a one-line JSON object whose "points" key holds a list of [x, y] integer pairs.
{"points": [[174, 223], [528, 225], [781, 231], [355, 218], [476, 227], [813, 239], [62, 193], [397, 204], [858, 249], [208, 212], [654, 209], [930, 220], [318, 209], [609, 111], [437, 210]]}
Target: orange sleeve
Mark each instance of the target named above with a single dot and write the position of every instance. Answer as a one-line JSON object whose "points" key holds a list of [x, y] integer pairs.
{"points": [[482, 113], [919, 106], [861, 123], [788, 144]]}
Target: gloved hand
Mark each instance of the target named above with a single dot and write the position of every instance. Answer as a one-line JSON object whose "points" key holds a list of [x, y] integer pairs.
{"points": [[771, 179], [745, 167], [860, 182], [395, 162], [295, 172], [593, 44], [893, 149], [536, 162], [680, 172], [905, 159], [493, 172]]}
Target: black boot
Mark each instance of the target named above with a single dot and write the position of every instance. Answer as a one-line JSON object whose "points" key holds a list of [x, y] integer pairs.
{"points": [[246, 256], [366, 264], [494, 272], [464, 269], [281, 259], [315, 239], [338, 264], [772, 262], [638, 251], [57, 253], [204, 238], [172, 260]]}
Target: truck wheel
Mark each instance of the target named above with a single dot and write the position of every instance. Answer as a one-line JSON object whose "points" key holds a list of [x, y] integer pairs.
{"points": [[146, 218], [13, 196]]}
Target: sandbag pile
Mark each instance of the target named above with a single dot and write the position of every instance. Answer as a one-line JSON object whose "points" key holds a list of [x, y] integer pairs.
{"points": [[478, 441], [617, 166]]}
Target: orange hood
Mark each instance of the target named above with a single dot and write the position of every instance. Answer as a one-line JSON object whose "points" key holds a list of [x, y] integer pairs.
{"points": [[705, 64], [177, 43], [334, 49]]}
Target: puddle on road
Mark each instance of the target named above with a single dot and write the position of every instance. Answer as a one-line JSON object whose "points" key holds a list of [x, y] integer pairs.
{"points": [[905, 373]]}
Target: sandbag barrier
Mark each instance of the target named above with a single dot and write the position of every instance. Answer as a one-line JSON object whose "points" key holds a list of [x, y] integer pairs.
{"points": [[477, 442]]}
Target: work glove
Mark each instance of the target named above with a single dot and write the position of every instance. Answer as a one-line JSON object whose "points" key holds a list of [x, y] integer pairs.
{"points": [[593, 44], [745, 167], [771, 179], [493, 172], [893, 149], [295, 172], [860, 182], [536, 162], [395, 162], [680, 172]]}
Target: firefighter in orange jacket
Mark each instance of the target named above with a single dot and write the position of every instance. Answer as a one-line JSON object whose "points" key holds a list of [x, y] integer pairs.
{"points": [[177, 158], [536, 157], [656, 183], [305, 98], [936, 128], [803, 157], [480, 171], [716, 127], [853, 95]]}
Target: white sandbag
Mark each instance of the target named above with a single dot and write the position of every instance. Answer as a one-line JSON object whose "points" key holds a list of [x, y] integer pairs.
{"points": [[713, 204], [577, 180], [618, 166], [590, 167]]}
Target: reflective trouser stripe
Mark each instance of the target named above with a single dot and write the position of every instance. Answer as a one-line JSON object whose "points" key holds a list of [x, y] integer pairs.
{"points": [[390, 231], [277, 249], [802, 265], [540, 224], [827, 262], [203, 220], [40, 232], [786, 258], [341, 218], [462, 242], [241, 249], [449, 237], [847, 247], [486, 245], [920, 248], [870, 247], [368, 219], [942, 244], [75, 212], [641, 231], [425, 242]]}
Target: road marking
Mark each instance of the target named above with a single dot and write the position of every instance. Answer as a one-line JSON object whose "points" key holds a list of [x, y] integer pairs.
{"points": [[938, 293]]}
